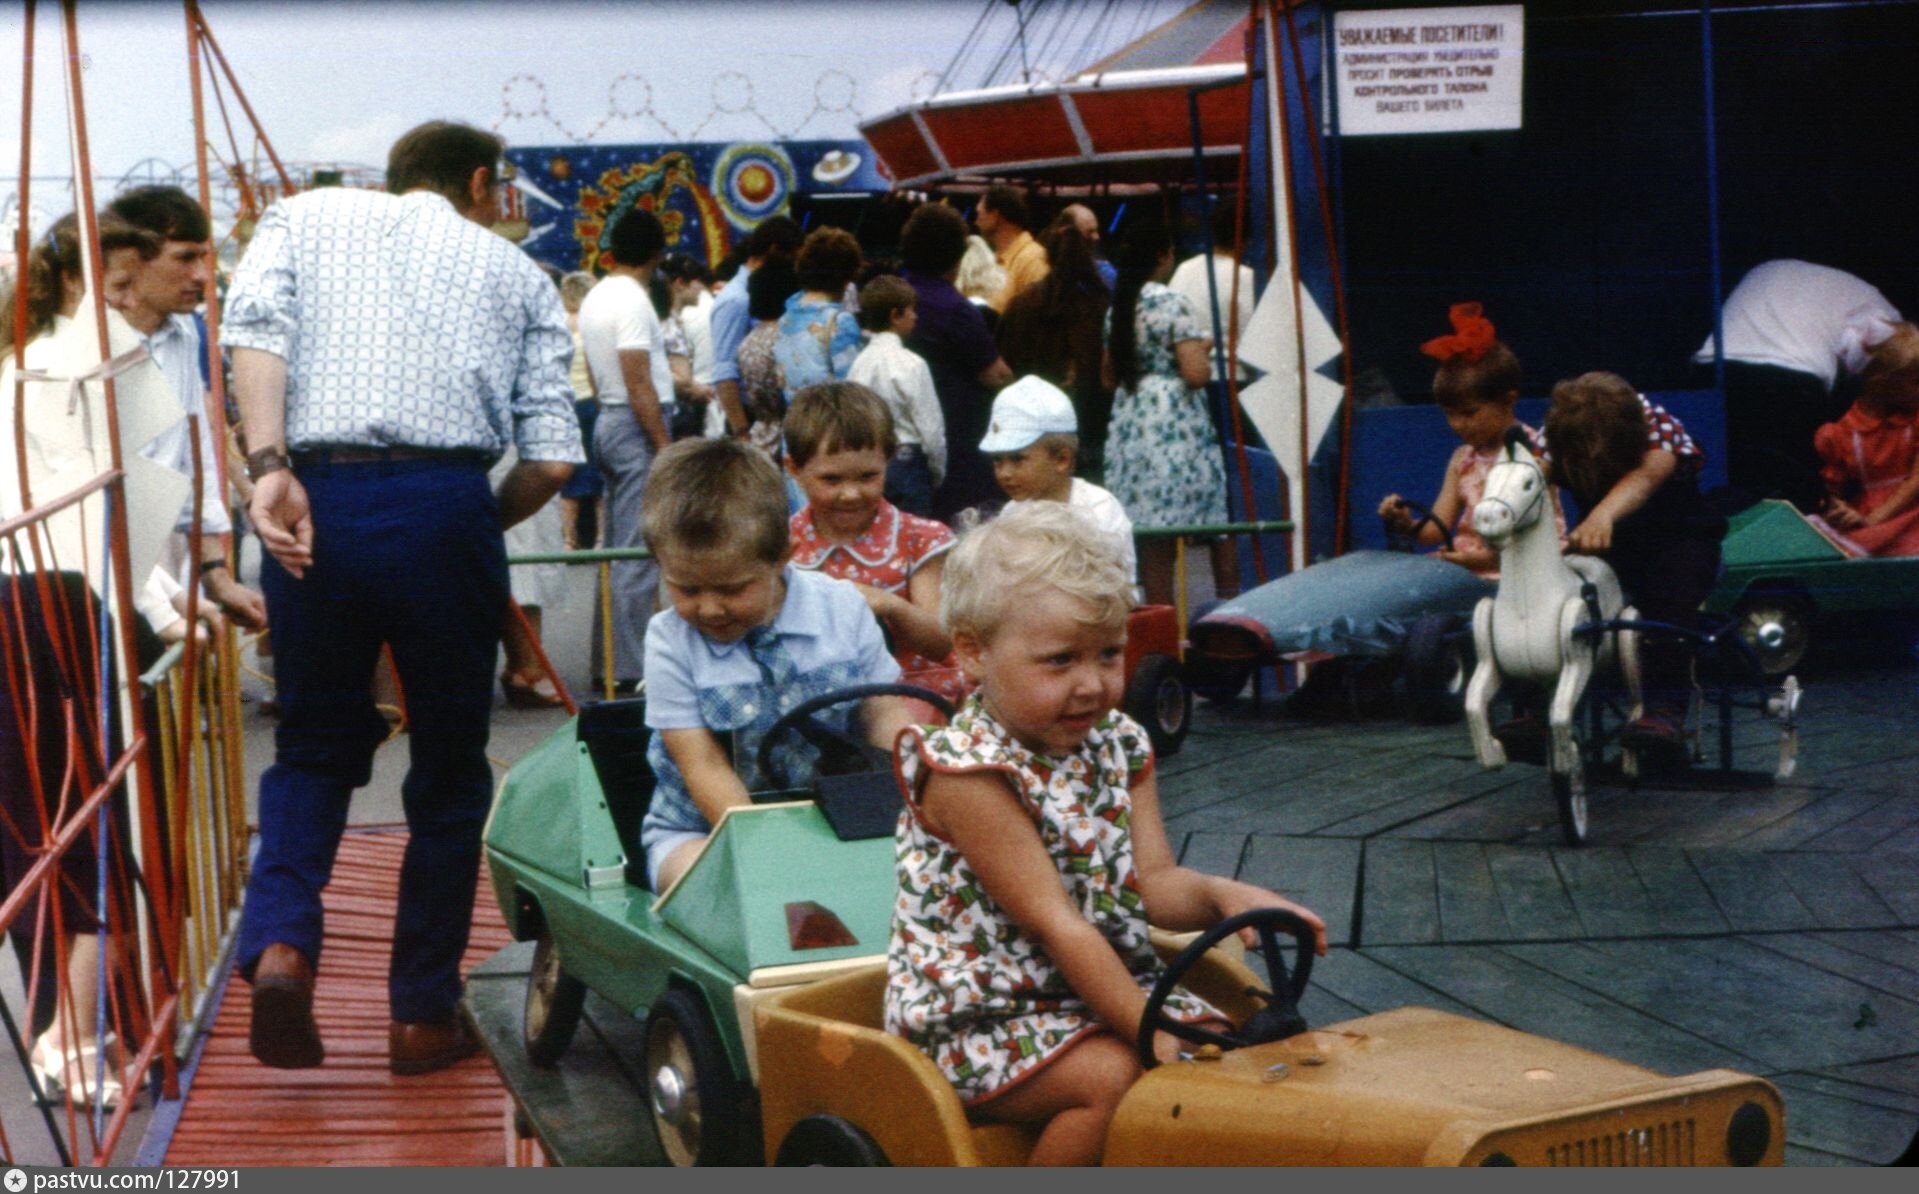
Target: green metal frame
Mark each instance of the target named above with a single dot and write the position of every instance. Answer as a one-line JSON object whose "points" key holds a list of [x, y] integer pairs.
{"points": [[552, 847]]}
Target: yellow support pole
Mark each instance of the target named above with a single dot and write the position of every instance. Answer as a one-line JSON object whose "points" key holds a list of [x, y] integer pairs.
{"points": [[607, 678]]}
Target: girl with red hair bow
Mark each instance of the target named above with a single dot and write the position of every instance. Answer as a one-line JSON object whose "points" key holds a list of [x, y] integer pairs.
{"points": [[1476, 386]]}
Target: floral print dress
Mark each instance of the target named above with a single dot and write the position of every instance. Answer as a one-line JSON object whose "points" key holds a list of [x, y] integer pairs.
{"points": [[1163, 459], [964, 983]]}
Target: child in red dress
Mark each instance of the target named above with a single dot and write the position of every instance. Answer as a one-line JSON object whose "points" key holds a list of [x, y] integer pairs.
{"points": [[839, 438], [1870, 456]]}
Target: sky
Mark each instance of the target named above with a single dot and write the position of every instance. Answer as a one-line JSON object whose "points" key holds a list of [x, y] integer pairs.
{"points": [[337, 81]]}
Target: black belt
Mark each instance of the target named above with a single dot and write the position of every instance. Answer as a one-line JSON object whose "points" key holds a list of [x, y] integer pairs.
{"points": [[358, 455]]}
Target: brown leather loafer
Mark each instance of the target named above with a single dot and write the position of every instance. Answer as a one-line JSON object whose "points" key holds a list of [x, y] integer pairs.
{"points": [[424, 1048], [283, 1034]]}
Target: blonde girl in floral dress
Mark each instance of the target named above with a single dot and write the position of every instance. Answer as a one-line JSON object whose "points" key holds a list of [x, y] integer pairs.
{"points": [[1031, 853]]}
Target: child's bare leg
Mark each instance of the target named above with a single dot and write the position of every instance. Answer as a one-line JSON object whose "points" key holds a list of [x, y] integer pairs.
{"points": [[677, 860], [522, 662], [1076, 1095]]}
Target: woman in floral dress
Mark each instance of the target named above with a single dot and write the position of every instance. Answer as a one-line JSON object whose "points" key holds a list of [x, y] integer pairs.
{"points": [[1163, 460], [819, 339]]}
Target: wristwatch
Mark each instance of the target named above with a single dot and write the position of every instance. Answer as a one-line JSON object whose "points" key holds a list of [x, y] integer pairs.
{"points": [[265, 461]]}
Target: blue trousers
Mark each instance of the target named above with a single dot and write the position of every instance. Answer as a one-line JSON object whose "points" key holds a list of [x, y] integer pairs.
{"points": [[409, 554]]}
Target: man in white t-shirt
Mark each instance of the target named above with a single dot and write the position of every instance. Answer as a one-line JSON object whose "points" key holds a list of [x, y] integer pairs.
{"points": [[1189, 279], [620, 331], [1033, 442], [1790, 327]]}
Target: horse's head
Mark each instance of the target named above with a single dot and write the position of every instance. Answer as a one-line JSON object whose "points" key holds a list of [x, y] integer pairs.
{"points": [[1515, 493]]}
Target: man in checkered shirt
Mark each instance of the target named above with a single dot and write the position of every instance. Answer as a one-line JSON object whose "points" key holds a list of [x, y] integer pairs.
{"points": [[386, 350]]}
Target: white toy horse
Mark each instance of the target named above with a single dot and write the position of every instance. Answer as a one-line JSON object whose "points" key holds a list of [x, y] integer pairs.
{"points": [[1526, 630]]}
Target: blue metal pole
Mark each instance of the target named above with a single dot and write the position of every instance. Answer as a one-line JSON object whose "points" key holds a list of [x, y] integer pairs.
{"points": [[1712, 203], [1212, 279]]}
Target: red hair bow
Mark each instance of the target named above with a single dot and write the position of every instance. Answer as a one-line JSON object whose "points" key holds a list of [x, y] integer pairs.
{"points": [[1472, 335]]}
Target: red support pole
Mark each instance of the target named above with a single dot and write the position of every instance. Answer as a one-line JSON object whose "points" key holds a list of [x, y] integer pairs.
{"points": [[1282, 157], [163, 945], [1339, 286], [206, 31]]}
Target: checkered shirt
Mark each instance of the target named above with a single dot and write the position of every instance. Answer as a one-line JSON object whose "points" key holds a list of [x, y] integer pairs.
{"points": [[1663, 430], [824, 638], [404, 324]]}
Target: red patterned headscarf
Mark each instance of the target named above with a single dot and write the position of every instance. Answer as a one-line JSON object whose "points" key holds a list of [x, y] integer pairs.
{"points": [[1472, 336]]}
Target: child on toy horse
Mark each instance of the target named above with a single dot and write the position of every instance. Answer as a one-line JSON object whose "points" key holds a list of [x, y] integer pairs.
{"points": [[1870, 458], [1476, 386], [1634, 472]]}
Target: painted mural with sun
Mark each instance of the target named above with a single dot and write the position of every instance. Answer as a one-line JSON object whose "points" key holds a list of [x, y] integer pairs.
{"points": [[706, 194], [752, 182]]}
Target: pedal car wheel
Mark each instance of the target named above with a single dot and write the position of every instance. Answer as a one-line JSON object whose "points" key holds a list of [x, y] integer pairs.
{"points": [[829, 1140], [1158, 699], [1569, 793], [1437, 663], [553, 1002], [1778, 627], [697, 1110]]}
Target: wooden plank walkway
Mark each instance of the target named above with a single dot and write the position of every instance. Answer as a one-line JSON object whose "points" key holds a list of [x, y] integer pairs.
{"points": [[1768, 927], [349, 1111], [1773, 929]]}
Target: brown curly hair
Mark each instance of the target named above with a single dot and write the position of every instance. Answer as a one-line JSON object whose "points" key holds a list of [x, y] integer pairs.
{"points": [[1492, 377], [1596, 428], [828, 260]]}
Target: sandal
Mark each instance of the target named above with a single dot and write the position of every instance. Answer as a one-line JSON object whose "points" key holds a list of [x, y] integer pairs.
{"points": [[521, 694], [83, 1063]]}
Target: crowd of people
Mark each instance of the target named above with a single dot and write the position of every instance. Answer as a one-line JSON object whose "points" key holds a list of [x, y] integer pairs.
{"points": [[847, 469], [413, 398], [673, 351]]}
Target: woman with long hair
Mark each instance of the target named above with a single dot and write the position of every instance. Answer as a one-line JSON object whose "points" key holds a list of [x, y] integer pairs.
{"points": [[1163, 459], [1054, 329]]}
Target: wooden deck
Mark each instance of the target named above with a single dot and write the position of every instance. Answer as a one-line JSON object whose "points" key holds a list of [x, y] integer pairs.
{"points": [[349, 1111], [1774, 929]]}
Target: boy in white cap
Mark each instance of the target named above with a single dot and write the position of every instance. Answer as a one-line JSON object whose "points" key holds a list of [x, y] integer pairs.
{"points": [[1033, 442]]}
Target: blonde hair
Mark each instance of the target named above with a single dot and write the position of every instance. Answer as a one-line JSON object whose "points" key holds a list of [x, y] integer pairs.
{"points": [[1032, 547], [980, 275], [573, 289]]}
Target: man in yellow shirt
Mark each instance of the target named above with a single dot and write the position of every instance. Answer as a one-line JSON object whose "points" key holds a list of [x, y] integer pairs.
{"points": [[1003, 219]]}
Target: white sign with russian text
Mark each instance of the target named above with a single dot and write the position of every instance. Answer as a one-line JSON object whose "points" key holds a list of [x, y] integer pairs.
{"points": [[1429, 70]]}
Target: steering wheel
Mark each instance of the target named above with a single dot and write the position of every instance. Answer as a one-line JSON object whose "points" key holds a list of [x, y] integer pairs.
{"points": [[1408, 539], [840, 752], [1276, 1021]]}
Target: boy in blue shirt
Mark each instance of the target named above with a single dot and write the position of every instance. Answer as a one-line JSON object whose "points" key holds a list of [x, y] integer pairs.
{"points": [[746, 637]]}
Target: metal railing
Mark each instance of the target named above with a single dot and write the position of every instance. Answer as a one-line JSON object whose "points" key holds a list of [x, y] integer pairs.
{"points": [[605, 557]]}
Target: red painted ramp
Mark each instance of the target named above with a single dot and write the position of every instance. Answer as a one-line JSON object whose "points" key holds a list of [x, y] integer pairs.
{"points": [[349, 1111]]}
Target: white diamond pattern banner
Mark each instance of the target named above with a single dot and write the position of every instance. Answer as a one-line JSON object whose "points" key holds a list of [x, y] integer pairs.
{"points": [[1271, 342]]}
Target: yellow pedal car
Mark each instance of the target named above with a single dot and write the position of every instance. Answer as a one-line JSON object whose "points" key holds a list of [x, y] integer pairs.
{"points": [[1410, 1086]]}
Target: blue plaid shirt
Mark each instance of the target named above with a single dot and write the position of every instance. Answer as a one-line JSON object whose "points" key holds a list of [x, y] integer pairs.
{"points": [[824, 637], [405, 324]]}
